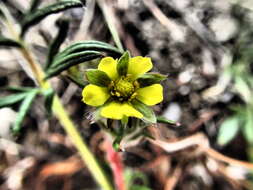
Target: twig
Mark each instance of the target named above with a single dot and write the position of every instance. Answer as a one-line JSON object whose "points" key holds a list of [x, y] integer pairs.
{"points": [[176, 31], [171, 181], [202, 142], [206, 116], [218, 156]]}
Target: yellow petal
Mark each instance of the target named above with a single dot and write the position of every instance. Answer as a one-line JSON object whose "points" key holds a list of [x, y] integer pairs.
{"points": [[94, 95], [150, 95], [138, 66], [116, 110], [109, 66]]}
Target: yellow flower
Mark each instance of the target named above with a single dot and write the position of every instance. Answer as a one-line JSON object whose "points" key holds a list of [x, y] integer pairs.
{"points": [[122, 88]]}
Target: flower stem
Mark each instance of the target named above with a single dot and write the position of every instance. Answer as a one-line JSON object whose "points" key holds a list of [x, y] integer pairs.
{"points": [[85, 153]]}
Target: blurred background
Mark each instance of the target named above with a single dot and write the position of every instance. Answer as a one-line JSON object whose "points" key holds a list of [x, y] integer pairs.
{"points": [[205, 47]]}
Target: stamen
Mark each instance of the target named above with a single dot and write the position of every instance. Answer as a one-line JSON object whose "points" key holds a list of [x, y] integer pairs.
{"points": [[123, 89]]}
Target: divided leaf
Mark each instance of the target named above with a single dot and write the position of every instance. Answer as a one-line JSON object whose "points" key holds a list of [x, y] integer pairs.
{"points": [[66, 62], [76, 54], [26, 104], [17, 88], [49, 98], [12, 99], [122, 65], [97, 77], [34, 5], [89, 45], [36, 16]]}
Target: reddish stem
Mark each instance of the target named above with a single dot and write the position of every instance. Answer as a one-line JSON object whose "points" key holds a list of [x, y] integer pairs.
{"points": [[115, 161]]}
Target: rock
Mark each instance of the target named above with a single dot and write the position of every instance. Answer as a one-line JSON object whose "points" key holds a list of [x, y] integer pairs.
{"points": [[7, 118], [224, 27], [173, 112]]}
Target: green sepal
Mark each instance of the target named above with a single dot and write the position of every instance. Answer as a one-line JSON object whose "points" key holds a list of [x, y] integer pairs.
{"points": [[24, 107], [151, 78], [122, 65], [97, 77], [116, 143], [147, 112], [37, 15], [124, 121], [161, 119], [7, 42], [49, 98], [12, 99]]}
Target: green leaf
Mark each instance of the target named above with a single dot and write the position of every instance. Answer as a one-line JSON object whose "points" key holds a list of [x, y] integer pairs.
{"points": [[34, 5], [243, 88], [139, 187], [122, 65], [17, 88], [63, 25], [73, 59], [161, 119], [132, 176], [49, 97], [26, 104], [12, 99], [90, 45], [97, 77], [248, 127], [146, 111], [58, 62], [151, 78], [39, 14], [1, 13], [9, 42], [228, 130]]}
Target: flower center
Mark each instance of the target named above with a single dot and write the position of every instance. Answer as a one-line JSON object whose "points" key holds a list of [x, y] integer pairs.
{"points": [[123, 89]]}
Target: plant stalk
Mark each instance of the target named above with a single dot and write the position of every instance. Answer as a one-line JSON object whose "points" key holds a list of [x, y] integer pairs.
{"points": [[68, 125], [59, 110]]}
